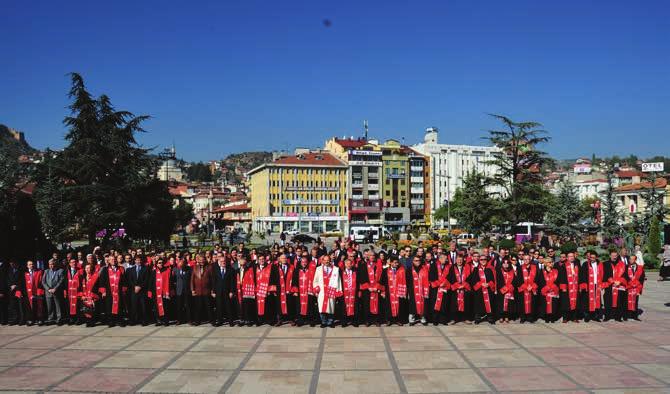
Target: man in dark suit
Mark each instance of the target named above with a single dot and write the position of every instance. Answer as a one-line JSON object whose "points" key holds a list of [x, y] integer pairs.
{"points": [[16, 285], [181, 283], [52, 282], [137, 278], [225, 292]]}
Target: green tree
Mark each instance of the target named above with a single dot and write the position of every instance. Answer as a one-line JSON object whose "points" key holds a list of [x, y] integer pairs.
{"points": [[472, 206], [199, 172], [655, 206], [586, 211], [520, 168], [654, 237], [107, 180], [564, 214], [611, 216], [9, 178]]}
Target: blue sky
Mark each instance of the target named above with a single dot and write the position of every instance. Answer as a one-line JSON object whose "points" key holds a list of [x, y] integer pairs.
{"points": [[226, 76]]}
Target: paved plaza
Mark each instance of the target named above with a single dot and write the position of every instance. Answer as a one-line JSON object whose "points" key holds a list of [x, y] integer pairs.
{"points": [[613, 357]]}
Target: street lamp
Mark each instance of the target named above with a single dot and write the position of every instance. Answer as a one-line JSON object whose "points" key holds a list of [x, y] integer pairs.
{"points": [[448, 199]]}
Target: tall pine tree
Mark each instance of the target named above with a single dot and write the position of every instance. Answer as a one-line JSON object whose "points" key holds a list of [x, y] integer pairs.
{"points": [[564, 214], [611, 215], [106, 179], [472, 206]]}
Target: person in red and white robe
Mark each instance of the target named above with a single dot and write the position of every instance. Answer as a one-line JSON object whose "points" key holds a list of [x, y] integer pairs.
{"points": [[159, 292], [247, 291], [526, 289], [591, 282], [33, 304], [614, 296], [568, 283], [394, 293], [505, 283], [88, 295], [461, 291], [112, 285], [285, 306], [369, 273], [483, 282], [549, 305], [635, 278], [349, 302], [438, 295], [304, 299], [328, 287], [418, 291]]}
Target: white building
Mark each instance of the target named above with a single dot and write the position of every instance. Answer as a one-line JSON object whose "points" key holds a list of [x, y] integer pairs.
{"points": [[450, 164]]}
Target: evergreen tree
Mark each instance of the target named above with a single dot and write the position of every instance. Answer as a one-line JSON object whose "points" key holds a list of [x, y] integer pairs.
{"points": [[472, 205], [520, 169], [655, 207], [103, 178], [611, 216], [564, 214], [654, 237]]}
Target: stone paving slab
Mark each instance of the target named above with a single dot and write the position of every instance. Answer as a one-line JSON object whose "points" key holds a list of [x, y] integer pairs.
{"points": [[610, 357]]}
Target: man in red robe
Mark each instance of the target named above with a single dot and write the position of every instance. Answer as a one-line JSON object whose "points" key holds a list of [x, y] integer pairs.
{"points": [[483, 285], [73, 276], [303, 294], [285, 306], [438, 308], [418, 291], [369, 273], [350, 295], [527, 289], [635, 284], [568, 283], [34, 297], [591, 281], [111, 282], [614, 296], [461, 291], [394, 282]]}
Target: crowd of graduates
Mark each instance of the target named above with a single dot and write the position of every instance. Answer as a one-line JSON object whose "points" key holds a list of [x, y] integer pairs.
{"points": [[297, 285]]}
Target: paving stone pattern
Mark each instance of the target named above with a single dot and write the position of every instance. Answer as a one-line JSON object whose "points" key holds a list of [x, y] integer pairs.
{"points": [[593, 357]]}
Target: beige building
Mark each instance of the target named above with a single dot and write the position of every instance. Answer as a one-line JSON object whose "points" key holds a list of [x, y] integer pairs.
{"points": [[306, 192]]}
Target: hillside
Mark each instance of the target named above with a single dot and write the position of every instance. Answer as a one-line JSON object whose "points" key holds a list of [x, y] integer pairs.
{"points": [[236, 165], [15, 139]]}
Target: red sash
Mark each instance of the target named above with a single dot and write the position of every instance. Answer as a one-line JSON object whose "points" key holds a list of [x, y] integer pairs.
{"points": [[485, 291], [372, 287], [594, 298], [283, 287], [114, 281], [263, 278], [32, 286], [634, 286], [328, 291], [572, 286], [617, 275], [159, 293], [461, 285], [72, 290], [441, 283], [305, 278], [550, 290], [529, 287], [349, 290], [420, 284], [248, 284], [397, 288], [507, 289]]}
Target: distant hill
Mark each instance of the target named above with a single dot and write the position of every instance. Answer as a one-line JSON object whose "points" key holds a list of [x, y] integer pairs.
{"points": [[14, 138], [236, 165]]}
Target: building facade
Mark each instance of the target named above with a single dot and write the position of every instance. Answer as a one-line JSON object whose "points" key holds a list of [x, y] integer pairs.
{"points": [[306, 192], [450, 164], [364, 159]]}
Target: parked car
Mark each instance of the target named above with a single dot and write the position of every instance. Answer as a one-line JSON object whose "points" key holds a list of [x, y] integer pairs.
{"points": [[466, 239], [303, 238], [291, 232]]}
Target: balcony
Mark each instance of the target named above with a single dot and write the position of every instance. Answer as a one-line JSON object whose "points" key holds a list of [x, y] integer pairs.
{"points": [[415, 201], [358, 206], [416, 168], [373, 175], [416, 190], [357, 175], [356, 196], [416, 179], [357, 185], [373, 186]]}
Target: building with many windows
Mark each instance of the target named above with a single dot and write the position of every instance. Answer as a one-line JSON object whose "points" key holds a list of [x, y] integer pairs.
{"points": [[364, 159], [306, 192], [449, 165]]}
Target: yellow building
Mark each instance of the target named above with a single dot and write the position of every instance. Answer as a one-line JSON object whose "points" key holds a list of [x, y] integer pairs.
{"points": [[306, 192]]}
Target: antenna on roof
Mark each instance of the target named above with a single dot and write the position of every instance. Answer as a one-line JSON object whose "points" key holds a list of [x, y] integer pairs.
{"points": [[365, 125]]}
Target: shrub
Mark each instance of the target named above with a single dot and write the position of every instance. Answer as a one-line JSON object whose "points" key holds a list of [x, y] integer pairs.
{"points": [[506, 244], [651, 261], [568, 247]]}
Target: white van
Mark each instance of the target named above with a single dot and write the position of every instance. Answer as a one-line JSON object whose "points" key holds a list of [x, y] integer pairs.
{"points": [[359, 234]]}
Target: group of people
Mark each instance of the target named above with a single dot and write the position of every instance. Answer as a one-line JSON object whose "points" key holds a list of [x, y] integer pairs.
{"points": [[293, 284]]}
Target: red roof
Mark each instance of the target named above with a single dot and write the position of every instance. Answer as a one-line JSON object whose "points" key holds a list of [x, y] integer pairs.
{"points": [[660, 183], [178, 190], [310, 159], [348, 143], [628, 173], [233, 208]]}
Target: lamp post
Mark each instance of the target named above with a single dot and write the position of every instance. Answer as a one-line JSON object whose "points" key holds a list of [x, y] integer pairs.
{"points": [[448, 199]]}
